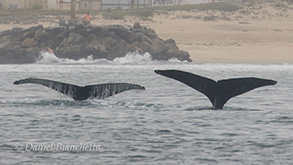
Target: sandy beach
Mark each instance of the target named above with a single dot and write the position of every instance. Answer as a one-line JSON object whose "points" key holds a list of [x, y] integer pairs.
{"points": [[230, 42], [268, 40]]}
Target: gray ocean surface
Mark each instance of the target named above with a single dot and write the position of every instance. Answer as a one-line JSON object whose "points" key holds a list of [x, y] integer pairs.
{"points": [[168, 123]]}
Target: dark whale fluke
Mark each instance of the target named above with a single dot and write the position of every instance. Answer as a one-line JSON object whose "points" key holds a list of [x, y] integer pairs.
{"points": [[79, 93], [217, 92]]}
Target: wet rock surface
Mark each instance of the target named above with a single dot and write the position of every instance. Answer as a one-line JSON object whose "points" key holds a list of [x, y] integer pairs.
{"points": [[19, 45]]}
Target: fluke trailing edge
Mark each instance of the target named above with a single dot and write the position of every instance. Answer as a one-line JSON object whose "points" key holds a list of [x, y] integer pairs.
{"points": [[218, 92], [79, 93]]}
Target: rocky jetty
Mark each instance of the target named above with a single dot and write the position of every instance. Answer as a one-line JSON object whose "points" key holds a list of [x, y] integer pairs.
{"points": [[18, 45]]}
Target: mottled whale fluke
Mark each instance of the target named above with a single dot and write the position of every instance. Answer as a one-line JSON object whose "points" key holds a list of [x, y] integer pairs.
{"points": [[79, 93], [218, 92]]}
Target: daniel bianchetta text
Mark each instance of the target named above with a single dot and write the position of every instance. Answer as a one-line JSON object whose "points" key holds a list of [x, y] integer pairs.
{"points": [[57, 147]]}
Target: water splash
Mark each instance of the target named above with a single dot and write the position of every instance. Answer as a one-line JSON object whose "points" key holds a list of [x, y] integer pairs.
{"points": [[129, 58], [50, 58], [47, 58], [134, 58]]}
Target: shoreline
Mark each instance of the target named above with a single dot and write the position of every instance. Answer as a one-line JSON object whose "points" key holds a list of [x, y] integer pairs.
{"points": [[224, 42], [243, 55], [259, 42]]}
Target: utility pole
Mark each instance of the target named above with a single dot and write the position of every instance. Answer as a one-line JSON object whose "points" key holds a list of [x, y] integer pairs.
{"points": [[73, 12], [132, 4], [91, 4]]}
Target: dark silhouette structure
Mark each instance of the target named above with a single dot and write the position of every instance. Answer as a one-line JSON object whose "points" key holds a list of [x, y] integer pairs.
{"points": [[218, 92], [79, 93]]}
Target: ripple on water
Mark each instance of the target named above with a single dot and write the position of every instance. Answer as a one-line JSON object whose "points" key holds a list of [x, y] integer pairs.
{"points": [[166, 124]]}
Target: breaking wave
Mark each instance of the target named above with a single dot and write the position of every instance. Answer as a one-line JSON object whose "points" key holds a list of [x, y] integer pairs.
{"points": [[134, 58], [130, 58], [50, 58]]}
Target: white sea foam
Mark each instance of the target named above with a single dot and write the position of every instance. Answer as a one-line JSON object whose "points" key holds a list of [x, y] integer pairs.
{"points": [[134, 58], [129, 58], [47, 58], [50, 58]]}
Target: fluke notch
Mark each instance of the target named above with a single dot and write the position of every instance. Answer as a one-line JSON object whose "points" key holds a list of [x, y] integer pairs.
{"points": [[218, 92]]}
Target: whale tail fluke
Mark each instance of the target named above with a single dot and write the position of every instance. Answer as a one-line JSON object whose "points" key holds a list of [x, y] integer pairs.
{"points": [[238, 86], [22, 81], [64, 88], [230, 88], [204, 85], [82, 93], [217, 92], [106, 90]]}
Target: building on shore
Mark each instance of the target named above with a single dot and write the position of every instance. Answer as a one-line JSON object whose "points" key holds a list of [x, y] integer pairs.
{"points": [[50, 4], [23, 4], [126, 4], [97, 4], [90, 4], [80, 4]]}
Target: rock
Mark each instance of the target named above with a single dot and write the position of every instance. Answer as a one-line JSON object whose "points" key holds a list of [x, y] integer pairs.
{"points": [[29, 42], [30, 32], [55, 42], [4, 41], [148, 32], [98, 51], [72, 52], [159, 46], [83, 32], [55, 30], [122, 32], [10, 32], [109, 42], [66, 32], [95, 48], [5, 33], [100, 32], [151, 33], [146, 47], [15, 55], [118, 50], [18, 37], [23, 45], [170, 43], [45, 36], [93, 39], [73, 39], [17, 29], [179, 54], [33, 53], [140, 37], [39, 35], [137, 26]]}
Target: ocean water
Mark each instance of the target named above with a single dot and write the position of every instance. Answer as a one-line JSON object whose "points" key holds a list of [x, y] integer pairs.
{"points": [[168, 123]]}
